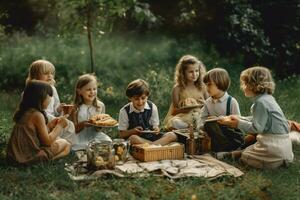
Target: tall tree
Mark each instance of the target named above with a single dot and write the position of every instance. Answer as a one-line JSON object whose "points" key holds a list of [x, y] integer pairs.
{"points": [[100, 16]]}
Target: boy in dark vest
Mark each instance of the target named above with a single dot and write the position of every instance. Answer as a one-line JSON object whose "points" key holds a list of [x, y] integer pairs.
{"points": [[138, 120]]}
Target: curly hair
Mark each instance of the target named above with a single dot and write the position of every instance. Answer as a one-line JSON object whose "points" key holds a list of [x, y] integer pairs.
{"points": [[258, 79], [182, 66]]}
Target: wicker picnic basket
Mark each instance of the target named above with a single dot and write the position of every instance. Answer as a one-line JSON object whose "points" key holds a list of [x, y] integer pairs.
{"points": [[157, 153]]}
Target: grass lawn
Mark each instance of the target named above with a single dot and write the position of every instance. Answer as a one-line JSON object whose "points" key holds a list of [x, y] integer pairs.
{"points": [[50, 181]]}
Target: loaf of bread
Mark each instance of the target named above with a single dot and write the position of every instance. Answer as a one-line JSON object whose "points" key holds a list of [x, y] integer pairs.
{"points": [[188, 102], [103, 120]]}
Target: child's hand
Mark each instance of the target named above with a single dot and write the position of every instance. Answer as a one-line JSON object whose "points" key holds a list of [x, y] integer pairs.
{"points": [[62, 121], [86, 124], [231, 121], [52, 123], [138, 129], [156, 129], [211, 117], [60, 107]]}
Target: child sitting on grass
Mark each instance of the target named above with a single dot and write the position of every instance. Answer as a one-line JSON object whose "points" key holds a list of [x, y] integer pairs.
{"points": [[140, 115], [87, 105], [188, 86], [44, 70], [220, 103], [273, 147], [33, 139]]}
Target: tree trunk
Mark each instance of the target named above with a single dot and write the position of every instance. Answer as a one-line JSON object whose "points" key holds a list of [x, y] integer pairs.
{"points": [[89, 34]]}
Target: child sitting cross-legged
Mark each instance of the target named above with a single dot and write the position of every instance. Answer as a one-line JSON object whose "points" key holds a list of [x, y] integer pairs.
{"points": [[34, 138], [220, 104], [140, 115]]}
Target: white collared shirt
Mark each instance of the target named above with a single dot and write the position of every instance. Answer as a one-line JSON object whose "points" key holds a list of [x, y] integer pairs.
{"points": [[217, 107], [124, 120]]}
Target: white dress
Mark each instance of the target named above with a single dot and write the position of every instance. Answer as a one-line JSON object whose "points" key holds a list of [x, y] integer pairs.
{"points": [[88, 133], [68, 132]]}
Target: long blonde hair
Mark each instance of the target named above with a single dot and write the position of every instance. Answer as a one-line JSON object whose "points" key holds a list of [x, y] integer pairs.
{"points": [[81, 82], [258, 79], [182, 66], [38, 68]]}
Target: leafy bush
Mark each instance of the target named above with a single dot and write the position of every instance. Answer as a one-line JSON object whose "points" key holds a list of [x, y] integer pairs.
{"points": [[118, 60]]}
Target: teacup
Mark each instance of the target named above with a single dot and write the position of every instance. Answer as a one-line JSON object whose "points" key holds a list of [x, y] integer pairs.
{"points": [[67, 109]]}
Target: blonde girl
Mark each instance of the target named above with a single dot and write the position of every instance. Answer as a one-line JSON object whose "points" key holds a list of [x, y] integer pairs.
{"points": [[188, 86], [33, 139], [273, 147], [87, 105], [44, 70]]}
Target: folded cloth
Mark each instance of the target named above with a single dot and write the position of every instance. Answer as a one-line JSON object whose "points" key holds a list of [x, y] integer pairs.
{"points": [[198, 166], [129, 168]]}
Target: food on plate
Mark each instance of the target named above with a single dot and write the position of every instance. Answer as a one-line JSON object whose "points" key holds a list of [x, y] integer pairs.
{"points": [[103, 120], [226, 119], [188, 102]]}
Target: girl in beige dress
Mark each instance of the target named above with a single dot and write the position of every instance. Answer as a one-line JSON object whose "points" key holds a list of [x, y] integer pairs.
{"points": [[32, 138], [188, 94]]}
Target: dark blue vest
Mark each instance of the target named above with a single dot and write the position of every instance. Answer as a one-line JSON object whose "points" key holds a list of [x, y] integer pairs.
{"points": [[140, 119]]}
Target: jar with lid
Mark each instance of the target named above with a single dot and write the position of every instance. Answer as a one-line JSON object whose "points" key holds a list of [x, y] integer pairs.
{"points": [[121, 148], [100, 155]]}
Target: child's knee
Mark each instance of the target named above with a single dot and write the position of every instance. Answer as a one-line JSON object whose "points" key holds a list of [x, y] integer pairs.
{"points": [[171, 136], [133, 139], [67, 148], [179, 124]]}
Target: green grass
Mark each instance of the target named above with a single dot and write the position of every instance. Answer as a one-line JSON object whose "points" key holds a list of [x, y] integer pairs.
{"points": [[152, 58], [50, 181]]}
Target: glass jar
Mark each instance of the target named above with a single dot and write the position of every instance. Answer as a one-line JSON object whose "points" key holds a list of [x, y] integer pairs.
{"points": [[121, 148], [100, 155]]}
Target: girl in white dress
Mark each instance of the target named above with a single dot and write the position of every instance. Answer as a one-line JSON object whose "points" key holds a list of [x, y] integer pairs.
{"points": [[86, 105]]}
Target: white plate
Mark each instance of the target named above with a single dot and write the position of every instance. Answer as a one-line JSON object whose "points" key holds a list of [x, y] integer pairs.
{"points": [[214, 119], [148, 131], [186, 133], [97, 126]]}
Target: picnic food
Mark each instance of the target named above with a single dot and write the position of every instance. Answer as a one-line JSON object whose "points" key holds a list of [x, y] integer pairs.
{"points": [[100, 155], [103, 120], [121, 149], [188, 102], [226, 119]]}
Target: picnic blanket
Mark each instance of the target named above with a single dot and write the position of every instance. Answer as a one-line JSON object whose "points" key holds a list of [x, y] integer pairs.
{"points": [[197, 166]]}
